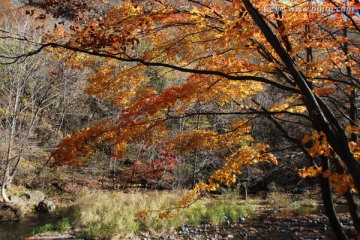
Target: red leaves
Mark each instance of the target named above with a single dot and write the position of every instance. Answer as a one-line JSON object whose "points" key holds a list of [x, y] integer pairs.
{"points": [[157, 169]]}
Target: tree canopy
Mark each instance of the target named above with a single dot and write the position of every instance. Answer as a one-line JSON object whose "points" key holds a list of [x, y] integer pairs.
{"points": [[295, 63]]}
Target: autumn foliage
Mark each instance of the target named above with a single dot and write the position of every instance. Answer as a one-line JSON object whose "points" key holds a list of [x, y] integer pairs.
{"points": [[225, 60], [171, 66]]}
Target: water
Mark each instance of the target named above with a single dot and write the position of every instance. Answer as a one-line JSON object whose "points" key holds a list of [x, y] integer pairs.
{"points": [[16, 230]]}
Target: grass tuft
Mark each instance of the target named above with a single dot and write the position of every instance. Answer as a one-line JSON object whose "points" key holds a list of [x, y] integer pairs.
{"points": [[304, 203], [279, 199], [62, 225]]}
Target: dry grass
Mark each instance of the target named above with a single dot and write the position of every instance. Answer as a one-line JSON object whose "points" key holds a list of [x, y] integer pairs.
{"points": [[107, 214], [279, 199]]}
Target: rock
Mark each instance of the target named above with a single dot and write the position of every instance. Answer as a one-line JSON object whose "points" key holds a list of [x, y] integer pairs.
{"points": [[230, 236], [242, 219], [33, 197], [10, 212], [45, 206], [18, 201]]}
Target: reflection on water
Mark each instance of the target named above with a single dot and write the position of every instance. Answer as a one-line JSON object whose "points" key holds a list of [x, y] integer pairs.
{"points": [[16, 230]]}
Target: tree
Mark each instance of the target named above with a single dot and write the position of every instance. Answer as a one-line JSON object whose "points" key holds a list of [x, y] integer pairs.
{"points": [[24, 95], [226, 53], [36, 95]]}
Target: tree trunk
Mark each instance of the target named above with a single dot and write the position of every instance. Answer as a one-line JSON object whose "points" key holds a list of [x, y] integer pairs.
{"points": [[3, 189], [329, 204], [353, 209], [352, 206], [319, 112], [321, 116]]}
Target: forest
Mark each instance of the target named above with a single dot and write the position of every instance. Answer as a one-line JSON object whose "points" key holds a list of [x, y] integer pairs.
{"points": [[189, 119]]}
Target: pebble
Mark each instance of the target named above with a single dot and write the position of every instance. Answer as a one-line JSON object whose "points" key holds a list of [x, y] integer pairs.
{"points": [[246, 229]]}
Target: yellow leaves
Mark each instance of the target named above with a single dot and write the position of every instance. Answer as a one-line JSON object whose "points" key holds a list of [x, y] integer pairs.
{"points": [[225, 91], [242, 157], [290, 104], [297, 109], [310, 172], [195, 10], [320, 145], [355, 148], [352, 129]]}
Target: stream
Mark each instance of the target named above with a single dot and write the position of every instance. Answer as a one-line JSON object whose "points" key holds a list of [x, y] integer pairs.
{"points": [[16, 230]]}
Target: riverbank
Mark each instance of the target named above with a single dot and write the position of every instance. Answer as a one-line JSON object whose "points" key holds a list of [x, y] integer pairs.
{"points": [[301, 219], [97, 214], [285, 224]]}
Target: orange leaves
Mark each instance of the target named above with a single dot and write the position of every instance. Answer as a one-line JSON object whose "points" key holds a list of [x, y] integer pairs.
{"points": [[323, 91], [190, 142], [320, 145], [76, 146], [340, 182], [310, 172], [216, 38], [120, 149], [234, 164], [196, 140], [81, 145]]}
